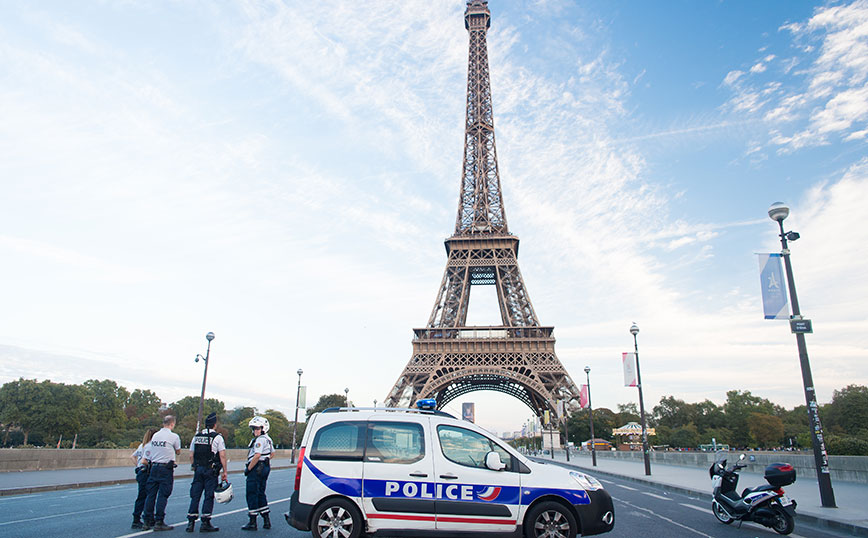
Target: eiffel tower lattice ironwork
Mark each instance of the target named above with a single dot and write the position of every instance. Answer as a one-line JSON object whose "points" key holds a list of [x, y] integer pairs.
{"points": [[450, 358]]}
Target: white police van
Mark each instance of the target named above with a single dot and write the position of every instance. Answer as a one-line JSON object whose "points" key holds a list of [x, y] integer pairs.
{"points": [[407, 472]]}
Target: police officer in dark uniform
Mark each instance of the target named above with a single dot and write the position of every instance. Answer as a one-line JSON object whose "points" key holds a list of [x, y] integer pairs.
{"points": [[258, 467], [209, 460], [160, 453]]}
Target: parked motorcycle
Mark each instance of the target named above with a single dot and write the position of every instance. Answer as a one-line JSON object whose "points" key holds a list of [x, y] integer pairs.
{"points": [[767, 504]]}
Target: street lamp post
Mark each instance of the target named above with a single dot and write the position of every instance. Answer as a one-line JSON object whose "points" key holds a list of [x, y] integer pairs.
{"points": [[295, 423], [591, 415], [375, 405], [634, 330], [778, 212], [209, 337], [347, 396], [566, 432]]}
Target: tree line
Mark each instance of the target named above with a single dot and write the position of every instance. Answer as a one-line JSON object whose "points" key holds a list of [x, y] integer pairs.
{"points": [[103, 414], [743, 421]]}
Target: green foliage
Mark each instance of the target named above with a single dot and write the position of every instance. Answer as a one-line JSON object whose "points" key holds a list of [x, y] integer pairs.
{"points": [[766, 430], [327, 400], [685, 437], [845, 445], [847, 414]]}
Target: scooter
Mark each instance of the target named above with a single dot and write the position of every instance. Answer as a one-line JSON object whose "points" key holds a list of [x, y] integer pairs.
{"points": [[767, 504]]}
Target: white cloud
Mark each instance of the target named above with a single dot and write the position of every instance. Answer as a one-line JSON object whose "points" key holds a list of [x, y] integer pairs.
{"points": [[826, 97]]}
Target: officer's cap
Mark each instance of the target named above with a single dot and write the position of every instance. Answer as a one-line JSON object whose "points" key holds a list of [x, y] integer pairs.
{"points": [[211, 420]]}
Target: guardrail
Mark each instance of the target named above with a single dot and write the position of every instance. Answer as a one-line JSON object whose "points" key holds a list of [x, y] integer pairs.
{"points": [[43, 459], [844, 468]]}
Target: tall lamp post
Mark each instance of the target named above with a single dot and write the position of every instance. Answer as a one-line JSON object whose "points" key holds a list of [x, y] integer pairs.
{"points": [[347, 396], [634, 330], [295, 423], [591, 415], [566, 432], [778, 212], [209, 337]]}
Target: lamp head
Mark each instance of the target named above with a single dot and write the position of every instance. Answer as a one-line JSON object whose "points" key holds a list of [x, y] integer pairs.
{"points": [[347, 390], [778, 211], [587, 369], [199, 356], [209, 336], [299, 372], [634, 329]]}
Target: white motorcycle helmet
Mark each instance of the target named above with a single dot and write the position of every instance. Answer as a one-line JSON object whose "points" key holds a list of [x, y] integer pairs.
{"points": [[260, 422], [223, 492]]}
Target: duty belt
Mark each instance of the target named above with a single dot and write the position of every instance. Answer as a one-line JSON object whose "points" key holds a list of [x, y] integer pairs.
{"points": [[172, 463]]}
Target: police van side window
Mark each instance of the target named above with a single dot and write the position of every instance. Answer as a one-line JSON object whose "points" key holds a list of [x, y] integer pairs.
{"points": [[466, 447], [341, 441], [395, 442]]}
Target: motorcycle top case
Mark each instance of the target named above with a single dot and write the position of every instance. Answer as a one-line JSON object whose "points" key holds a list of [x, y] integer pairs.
{"points": [[780, 474]]}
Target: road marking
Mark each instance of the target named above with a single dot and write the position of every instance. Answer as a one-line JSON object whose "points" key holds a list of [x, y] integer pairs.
{"points": [[626, 487], [64, 514], [271, 503], [758, 526], [701, 509], [661, 497], [691, 529]]}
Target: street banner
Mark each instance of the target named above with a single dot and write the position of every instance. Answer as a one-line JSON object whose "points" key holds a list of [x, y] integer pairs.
{"points": [[629, 360], [583, 397], [772, 279], [468, 411], [547, 417], [560, 408], [302, 397]]}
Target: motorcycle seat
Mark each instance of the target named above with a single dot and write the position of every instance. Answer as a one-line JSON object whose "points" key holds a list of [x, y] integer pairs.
{"points": [[763, 487]]}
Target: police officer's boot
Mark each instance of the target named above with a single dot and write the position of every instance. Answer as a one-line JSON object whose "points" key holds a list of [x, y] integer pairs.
{"points": [[148, 525], [207, 526], [160, 525], [266, 520], [191, 524], [251, 525], [137, 523]]}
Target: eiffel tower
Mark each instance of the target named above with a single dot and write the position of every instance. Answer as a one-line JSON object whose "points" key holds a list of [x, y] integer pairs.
{"points": [[450, 358]]}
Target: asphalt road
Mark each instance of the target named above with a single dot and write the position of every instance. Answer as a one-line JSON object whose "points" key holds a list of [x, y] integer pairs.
{"points": [[640, 511]]}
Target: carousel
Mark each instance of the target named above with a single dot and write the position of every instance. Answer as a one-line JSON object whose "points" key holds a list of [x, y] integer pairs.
{"points": [[630, 436]]}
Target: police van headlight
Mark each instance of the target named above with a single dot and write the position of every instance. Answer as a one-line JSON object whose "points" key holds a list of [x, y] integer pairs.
{"points": [[588, 483]]}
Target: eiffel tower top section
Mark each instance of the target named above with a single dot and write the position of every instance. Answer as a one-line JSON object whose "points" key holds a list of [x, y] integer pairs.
{"points": [[480, 206]]}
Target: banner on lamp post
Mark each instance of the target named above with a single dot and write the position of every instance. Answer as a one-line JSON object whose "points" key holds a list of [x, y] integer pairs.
{"points": [[772, 280], [629, 360], [583, 397], [302, 397]]}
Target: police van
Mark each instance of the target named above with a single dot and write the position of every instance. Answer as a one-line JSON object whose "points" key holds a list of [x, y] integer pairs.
{"points": [[418, 472]]}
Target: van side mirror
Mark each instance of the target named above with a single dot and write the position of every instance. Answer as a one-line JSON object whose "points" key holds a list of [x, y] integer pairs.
{"points": [[493, 461]]}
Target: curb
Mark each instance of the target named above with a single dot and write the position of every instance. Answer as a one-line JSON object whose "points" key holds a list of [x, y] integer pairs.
{"points": [[27, 490], [850, 528]]}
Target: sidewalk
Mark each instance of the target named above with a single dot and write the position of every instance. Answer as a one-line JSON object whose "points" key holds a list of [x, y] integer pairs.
{"points": [[851, 515], [24, 482]]}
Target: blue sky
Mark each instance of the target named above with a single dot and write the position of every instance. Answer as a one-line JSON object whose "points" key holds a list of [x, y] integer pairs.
{"points": [[284, 174]]}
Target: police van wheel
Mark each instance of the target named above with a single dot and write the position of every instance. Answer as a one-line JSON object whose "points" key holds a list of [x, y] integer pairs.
{"points": [[550, 520], [337, 518]]}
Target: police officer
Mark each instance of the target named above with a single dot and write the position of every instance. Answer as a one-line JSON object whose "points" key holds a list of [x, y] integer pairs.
{"points": [[141, 478], [209, 460], [160, 453], [258, 466]]}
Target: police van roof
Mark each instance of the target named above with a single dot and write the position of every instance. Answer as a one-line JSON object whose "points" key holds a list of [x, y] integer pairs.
{"points": [[389, 410]]}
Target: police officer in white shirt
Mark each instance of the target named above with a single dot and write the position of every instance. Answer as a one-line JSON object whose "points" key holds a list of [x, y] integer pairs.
{"points": [[161, 453], [141, 478], [209, 460], [258, 467]]}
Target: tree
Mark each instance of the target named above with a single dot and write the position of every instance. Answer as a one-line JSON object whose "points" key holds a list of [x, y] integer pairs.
{"points": [[107, 407], [738, 408], [279, 428], [672, 412], [142, 408], [327, 400], [628, 413], [67, 409], [847, 414], [766, 430], [685, 437], [22, 403]]}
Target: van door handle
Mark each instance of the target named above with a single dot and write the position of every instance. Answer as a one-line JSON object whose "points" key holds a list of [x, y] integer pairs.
{"points": [[449, 476], [419, 475]]}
